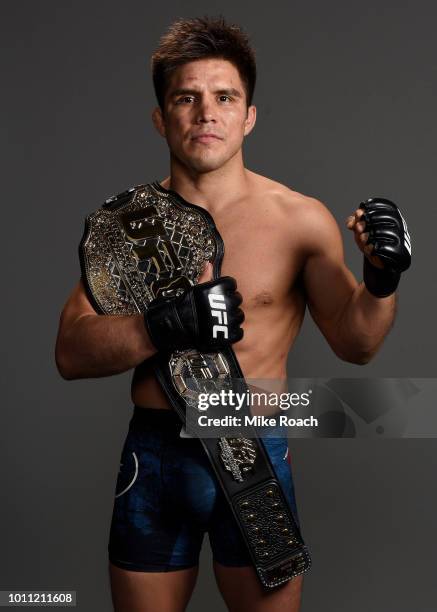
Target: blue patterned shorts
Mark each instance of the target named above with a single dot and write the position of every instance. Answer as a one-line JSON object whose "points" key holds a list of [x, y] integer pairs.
{"points": [[167, 496]]}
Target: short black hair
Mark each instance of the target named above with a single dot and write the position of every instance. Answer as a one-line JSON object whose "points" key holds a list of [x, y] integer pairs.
{"points": [[188, 40]]}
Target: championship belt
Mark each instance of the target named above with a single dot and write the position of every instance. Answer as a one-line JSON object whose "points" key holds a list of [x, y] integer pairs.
{"points": [[148, 242]]}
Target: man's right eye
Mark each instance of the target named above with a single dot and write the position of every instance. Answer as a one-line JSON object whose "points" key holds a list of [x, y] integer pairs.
{"points": [[185, 100]]}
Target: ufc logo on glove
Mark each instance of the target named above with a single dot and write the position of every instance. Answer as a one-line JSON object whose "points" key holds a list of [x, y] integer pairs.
{"points": [[217, 301]]}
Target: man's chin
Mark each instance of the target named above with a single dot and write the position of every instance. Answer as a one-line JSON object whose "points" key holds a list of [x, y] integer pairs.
{"points": [[205, 164], [204, 168]]}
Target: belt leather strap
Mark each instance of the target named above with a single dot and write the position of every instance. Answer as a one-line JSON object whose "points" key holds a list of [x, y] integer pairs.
{"points": [[148, 242]]}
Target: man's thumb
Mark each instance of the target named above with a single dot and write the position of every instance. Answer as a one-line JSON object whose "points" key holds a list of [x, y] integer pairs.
{"points": [[206, 274]]}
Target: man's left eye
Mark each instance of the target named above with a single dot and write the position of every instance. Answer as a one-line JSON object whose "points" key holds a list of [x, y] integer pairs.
{"points": [[224, 98]]}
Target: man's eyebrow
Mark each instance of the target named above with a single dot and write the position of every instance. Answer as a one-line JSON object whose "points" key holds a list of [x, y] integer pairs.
{"points": [[183, 91], [186, 91], [229, 92]]}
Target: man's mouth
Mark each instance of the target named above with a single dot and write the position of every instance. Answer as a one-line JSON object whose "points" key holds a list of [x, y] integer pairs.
{"points": [[205, 138]]}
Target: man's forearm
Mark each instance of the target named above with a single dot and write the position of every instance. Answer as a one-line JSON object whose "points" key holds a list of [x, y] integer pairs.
{"points": [[102, 345], [363, 325]]}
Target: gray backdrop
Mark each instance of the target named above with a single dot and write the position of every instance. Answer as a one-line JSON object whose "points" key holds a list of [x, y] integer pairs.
{"points": [[346, 103]]}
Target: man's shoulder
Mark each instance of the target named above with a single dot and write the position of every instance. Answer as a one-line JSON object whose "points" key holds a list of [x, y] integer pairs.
{"points": [[286, 198], [304, 217]]}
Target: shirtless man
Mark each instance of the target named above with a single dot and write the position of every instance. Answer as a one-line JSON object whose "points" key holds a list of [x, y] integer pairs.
{"points": [[285, 251]]}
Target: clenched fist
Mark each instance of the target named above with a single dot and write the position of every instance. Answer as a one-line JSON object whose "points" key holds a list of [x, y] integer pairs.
{"points": [[381, 233]]}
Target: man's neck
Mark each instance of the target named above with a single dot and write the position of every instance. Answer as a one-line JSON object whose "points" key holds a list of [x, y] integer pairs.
{"points": [[211, 190]]}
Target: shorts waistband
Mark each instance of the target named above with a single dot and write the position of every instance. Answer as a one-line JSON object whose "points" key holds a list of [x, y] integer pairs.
{"points": [[156, 418], [167, 420]]}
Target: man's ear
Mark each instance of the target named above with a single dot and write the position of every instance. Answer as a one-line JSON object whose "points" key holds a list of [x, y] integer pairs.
{"points": [[250, 120], [158, 120]]}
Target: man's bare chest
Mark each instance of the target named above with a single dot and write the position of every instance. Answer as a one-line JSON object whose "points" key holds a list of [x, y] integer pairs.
{"points": [[262, 255]]}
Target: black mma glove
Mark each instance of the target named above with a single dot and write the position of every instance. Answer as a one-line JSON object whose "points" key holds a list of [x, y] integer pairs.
{"points": [[206, 317], [391, 241]]}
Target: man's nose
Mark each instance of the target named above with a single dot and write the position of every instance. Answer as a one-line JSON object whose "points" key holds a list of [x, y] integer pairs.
{"points": [[205, 111]]}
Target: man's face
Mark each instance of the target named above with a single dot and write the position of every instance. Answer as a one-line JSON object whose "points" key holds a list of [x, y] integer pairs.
{"points": [[205, 116]]}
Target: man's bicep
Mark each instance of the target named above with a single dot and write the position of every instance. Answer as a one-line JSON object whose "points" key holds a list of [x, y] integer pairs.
{"points": [[76, 306], [329, 284]]}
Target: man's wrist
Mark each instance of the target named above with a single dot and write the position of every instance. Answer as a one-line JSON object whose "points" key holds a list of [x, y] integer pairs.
{"points": [[380, 282], [163, 325]]}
